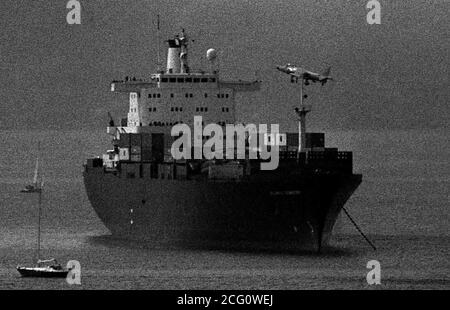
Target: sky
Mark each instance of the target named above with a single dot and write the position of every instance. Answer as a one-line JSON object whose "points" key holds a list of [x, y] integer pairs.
{"points": [[389, 76]]}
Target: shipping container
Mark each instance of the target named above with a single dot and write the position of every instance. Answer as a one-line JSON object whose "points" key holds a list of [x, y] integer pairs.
{"points": [[181, 172], [315, 139], [124, 154], [135, 157], [146, 170], [292, 139], [94, 162], [135, 139], [146, 140], [146, 154], [124, 140], [158, 147], [129, 170], [227, 171], [318, 149], [165, 171], [135, 150], [168, 158]]}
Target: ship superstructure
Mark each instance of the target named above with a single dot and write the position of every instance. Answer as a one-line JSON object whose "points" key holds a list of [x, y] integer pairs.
{"points": [[140, 192]]}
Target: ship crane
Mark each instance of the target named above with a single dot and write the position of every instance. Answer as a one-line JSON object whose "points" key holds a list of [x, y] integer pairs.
{"points": [[301, 113]]}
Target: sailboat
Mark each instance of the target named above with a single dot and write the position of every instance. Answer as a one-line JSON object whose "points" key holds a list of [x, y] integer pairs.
{"points": [[44, 268], [34, 187]]}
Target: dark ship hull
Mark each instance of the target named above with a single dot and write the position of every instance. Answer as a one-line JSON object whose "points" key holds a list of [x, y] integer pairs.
{"points": [[287, 211]]}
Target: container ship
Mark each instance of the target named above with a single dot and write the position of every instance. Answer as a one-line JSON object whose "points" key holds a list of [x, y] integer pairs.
{"points": [[141, 192]]}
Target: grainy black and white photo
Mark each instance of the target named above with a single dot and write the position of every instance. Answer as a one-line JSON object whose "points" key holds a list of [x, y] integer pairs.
{"points": [[214, 145]]}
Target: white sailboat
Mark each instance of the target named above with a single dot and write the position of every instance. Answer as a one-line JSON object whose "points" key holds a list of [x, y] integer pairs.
{"points": [[44, 268]]}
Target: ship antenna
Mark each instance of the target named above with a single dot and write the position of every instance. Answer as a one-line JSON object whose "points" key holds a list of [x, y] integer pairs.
{"points": [[157, 45]]}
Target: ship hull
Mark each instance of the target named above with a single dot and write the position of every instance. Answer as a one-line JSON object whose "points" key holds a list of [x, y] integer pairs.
{"points": [[292, 214]]}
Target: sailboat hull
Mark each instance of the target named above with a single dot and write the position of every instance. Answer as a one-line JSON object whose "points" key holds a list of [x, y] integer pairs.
{"points": [[31, 190], [40, 272]]}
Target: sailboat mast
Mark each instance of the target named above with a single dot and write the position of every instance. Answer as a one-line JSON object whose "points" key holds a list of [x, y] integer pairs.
{"points": [[39, 225], [36, 169], [39, 187]]}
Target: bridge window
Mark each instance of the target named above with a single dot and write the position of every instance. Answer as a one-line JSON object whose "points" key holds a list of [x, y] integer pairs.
{"points": [[172, 80], [188, 80], [196, 80], [204, 80], [164, 80], [180, 80], [212, 80]]}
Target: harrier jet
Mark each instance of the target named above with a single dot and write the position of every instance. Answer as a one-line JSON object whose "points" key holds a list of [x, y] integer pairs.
{"points": [[307, 76]]}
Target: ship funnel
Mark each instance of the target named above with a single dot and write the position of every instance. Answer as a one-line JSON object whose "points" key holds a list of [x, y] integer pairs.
{"points": [[173, 56], [211, 55]]}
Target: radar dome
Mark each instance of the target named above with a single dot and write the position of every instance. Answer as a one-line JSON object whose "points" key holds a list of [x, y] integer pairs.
{"points": [[211, 54]]}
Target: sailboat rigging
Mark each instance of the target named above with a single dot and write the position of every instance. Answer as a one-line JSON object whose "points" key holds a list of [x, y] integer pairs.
{"points": [[46, 268], [34, 187]]}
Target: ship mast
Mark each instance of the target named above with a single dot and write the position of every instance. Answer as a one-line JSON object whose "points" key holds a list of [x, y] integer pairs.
{"points": [[157, 46], [301, 113]]}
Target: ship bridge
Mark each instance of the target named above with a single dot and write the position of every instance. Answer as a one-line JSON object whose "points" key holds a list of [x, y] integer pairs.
{"points": [[178, 94], [184, 80]]}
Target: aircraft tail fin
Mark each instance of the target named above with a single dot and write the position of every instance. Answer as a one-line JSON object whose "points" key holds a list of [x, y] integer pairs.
{"points": [[326, 72]]}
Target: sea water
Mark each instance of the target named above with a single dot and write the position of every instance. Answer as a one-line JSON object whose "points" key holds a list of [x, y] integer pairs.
{"points": [[402, 205]]}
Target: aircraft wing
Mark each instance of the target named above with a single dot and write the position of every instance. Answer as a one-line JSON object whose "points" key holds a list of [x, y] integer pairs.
{"points": [[309, 75], [297, 74]]}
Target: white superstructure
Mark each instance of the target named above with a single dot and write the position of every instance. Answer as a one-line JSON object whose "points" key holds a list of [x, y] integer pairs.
{"points": [[177, 94]]}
